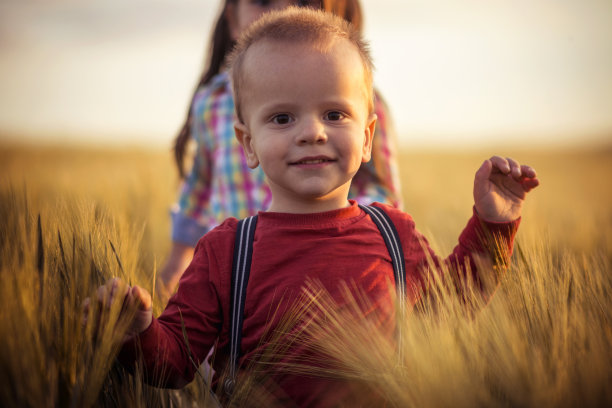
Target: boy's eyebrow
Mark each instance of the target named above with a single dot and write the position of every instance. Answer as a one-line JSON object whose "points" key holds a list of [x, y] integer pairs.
{"points": [[271, 107], [332, 103]]}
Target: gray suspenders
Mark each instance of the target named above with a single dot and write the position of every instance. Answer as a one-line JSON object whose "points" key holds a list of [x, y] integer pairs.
{"points": [[243, 251]]}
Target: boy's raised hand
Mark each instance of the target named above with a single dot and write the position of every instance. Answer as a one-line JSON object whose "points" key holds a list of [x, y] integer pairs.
{"points": [[132, 298], [500, 187]]}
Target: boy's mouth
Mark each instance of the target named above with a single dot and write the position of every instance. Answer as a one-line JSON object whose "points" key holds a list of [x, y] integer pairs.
{"points": [[312, 161]]}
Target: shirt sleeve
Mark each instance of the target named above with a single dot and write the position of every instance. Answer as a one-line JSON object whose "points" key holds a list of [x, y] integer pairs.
{"points": [[481, 255], [378, 180], [177, 342]]}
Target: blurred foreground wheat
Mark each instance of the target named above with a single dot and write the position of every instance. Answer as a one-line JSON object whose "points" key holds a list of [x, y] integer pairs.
{"points": [[71, 218], [545, 339]]}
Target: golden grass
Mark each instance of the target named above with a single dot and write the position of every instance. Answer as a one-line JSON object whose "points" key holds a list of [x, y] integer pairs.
{"points": [[70, 218], [544, 340]]}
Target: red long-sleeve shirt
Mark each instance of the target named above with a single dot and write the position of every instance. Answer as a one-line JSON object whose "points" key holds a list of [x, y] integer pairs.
{"points": [[331, 247]]}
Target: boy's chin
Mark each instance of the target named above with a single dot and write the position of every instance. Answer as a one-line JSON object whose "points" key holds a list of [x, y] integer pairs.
{"points": [[311, 200], [323, 193], [329, 199]]}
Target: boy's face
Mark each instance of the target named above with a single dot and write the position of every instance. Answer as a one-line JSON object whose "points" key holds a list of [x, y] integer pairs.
{"points": [[306, 121]]}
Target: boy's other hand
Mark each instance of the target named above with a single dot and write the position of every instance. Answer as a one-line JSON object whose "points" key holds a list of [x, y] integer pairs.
{"points": [[132, 298], [500, 187]]}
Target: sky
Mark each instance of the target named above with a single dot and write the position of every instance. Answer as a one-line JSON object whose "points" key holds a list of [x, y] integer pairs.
{"points": [[454, 73]]}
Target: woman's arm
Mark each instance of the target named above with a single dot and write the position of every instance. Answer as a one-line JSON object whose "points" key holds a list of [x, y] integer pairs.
{"points": [[178, 260]]}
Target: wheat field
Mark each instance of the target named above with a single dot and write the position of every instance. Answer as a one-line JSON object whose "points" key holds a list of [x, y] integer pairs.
{"points": [[72, 217]]}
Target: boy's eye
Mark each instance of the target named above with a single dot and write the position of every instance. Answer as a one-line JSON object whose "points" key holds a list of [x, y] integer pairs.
{"points": [[334, 115], [281, 119]]}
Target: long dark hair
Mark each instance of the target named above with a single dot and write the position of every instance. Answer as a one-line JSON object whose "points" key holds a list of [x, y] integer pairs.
{"points": [[221, 43]]}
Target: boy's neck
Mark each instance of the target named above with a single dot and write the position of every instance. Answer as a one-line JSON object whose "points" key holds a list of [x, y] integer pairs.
{"points": [[308, 206], [291, 202]]}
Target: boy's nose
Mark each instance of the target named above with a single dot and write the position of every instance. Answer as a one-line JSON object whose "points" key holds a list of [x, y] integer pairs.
{"points": [[312, 131]]}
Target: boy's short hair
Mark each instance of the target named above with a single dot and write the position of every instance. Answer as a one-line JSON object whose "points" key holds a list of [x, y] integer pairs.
{"points": [[298, 25]]}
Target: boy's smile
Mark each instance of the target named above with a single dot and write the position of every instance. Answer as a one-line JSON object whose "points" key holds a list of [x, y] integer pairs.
{"points": [[312, 162], [306, 121]]}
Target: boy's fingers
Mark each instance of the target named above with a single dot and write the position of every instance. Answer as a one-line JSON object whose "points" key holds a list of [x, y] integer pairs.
{"points": [[529, 183], [515, 168], [85, 310], [529, 179], [107, 293], [483, 172], [528, 171], [142, 298], [501, 164], [102, 294], [116, 285]]}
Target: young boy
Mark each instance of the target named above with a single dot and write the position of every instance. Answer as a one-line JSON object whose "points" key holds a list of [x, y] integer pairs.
{"points": [[303, 90]]}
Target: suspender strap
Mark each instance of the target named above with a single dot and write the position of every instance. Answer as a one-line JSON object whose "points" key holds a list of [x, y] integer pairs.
{"points": [[241, 266], [392, 240]]}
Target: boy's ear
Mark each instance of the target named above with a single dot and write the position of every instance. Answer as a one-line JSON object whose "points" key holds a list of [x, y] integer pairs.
{"points": [[244, 138], [369, 137]]}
